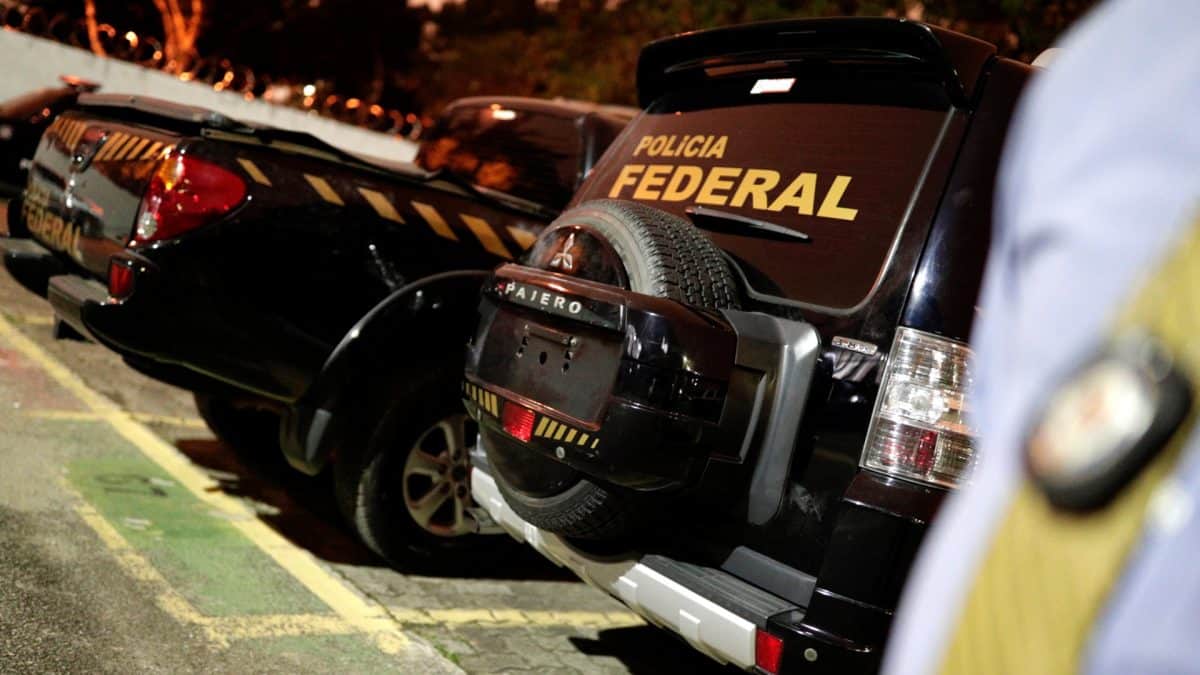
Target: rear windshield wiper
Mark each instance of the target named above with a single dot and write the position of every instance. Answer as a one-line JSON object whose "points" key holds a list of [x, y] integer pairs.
{"points": [[714, 220]]}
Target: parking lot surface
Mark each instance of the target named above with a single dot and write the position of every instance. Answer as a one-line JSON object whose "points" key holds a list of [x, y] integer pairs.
{"points": [[135, 542]]}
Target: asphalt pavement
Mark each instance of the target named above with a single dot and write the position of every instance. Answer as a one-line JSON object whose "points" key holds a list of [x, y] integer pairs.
{"points": [[133, 541]]}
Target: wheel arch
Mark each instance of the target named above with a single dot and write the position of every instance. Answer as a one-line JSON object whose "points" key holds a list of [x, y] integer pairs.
{"points": [[394, 337]]}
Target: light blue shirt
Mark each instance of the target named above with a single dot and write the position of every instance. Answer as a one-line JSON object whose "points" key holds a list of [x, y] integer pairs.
{"points": [[1101, 174]]}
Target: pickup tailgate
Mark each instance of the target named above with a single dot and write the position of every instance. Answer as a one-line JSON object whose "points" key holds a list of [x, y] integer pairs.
{"points": [[87, 181]]}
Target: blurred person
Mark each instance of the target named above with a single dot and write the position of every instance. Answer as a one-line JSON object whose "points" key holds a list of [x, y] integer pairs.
{"points": [[1073, 548]]}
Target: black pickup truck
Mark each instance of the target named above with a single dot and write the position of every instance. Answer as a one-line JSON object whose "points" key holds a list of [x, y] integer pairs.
{"points": [[314, 301], [23, 120], [727, 384]]}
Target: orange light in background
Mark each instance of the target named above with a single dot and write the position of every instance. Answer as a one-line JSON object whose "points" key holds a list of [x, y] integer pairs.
{"points": [[132, 38], [309, 90], [503, 114], [352, 103]]}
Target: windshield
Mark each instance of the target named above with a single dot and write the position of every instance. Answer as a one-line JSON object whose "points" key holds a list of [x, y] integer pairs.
{"points": [[527, 154]]}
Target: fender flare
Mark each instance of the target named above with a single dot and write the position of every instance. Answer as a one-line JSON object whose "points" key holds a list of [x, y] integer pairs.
{"points": [[412, 320]]}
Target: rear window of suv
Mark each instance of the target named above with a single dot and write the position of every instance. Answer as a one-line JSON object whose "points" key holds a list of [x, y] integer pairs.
{"points": [[837, 156]]}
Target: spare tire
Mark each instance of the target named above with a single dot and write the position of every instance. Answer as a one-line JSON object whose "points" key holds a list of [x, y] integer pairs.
{"points": [[660, 254]]}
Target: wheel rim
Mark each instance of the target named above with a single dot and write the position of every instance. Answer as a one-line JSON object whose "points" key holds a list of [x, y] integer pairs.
{"points": [[437, 479]]}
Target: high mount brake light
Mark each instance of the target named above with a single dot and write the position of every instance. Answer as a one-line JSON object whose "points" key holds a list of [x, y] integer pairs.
{"points": [[920, 429], [185, 193]]}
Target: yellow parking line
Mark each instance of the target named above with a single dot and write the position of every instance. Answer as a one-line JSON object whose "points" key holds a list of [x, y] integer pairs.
{"points": [[363, 614], [515, 618], [88, 416], [220, 630]]}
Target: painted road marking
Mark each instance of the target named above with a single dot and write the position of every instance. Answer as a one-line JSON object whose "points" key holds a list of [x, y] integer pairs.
{"points": [[145, 418], [31, 319], [219, 630], [363, 614], [515, 618]]}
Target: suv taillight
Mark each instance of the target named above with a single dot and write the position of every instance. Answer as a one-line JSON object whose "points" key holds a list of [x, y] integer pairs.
{"points": [[920, 429], [185, 193]]}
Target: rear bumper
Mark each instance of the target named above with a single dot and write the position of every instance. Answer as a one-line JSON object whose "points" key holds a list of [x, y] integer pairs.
{"points": [[70, 295], [714, 611], [29, 263], [715, 630]]}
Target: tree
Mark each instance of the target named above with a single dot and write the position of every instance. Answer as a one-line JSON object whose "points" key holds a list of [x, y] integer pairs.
{"points": [[181, 29]]}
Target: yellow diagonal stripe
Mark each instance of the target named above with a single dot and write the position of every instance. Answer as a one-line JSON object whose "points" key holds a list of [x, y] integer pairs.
{"points": [[570, 435], [523, 238], [134, 148], [324, 189], [550, 429], [152, 151], [583, 439], [436, 222], [126, 141], [595, 443], [486, 235], [562, 428], [110, 146], [382, 206], [541, 426], [254, 172]]}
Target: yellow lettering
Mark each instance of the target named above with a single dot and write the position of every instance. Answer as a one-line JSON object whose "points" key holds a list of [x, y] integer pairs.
{"points": [[642, 145], [693, 146], [718, 148], [676, 191], [719, 178], [831, 206], [799, 194], [755, 185], [657, 146], [655, 176], [626, 178], [670, 150]]}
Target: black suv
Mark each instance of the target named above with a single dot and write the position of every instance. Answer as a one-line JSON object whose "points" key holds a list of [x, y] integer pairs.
{"points": [[727, 385]]}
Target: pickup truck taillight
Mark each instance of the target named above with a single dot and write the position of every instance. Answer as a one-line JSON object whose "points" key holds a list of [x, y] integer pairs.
{"points": [[185, 193], [920, 429]]}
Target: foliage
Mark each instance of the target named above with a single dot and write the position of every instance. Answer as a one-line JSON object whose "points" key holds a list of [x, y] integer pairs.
{"points": [[588, 48]]}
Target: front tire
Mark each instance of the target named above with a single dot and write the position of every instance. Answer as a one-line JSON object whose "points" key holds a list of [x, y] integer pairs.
{"points": [[406, 488]]}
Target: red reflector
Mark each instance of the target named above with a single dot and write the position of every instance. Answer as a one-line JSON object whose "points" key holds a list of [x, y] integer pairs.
{"points": [[768, 651], [186, 193], [120, 280], [923, 454], [517, 421]]}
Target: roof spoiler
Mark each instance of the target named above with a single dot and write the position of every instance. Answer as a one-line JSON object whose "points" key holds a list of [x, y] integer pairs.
{"points": [[957, 58]]}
